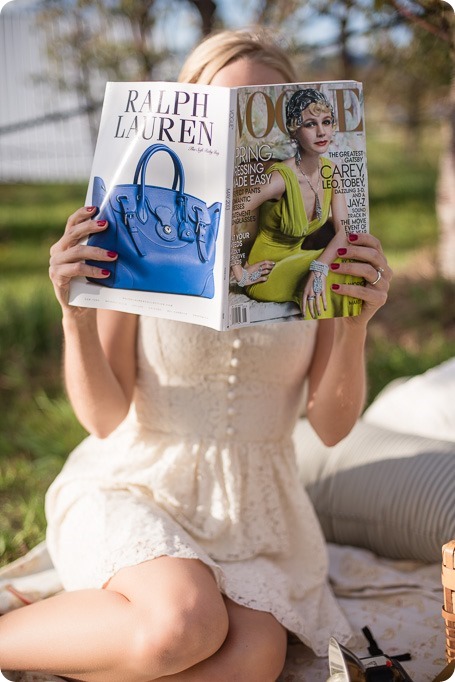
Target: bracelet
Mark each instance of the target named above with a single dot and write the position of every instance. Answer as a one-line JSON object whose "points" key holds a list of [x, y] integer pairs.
{"points": [[317, 266], [244, 278], [317, 284]]}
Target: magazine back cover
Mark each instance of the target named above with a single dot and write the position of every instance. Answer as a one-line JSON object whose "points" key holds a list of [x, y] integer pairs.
{"points": [[161, 178], [300, 186]]}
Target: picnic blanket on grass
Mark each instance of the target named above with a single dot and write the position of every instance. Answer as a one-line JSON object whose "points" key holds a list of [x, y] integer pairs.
{"points": [[400, 601]]}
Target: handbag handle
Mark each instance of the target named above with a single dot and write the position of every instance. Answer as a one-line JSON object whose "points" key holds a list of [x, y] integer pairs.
{"points": [[141, 168]]}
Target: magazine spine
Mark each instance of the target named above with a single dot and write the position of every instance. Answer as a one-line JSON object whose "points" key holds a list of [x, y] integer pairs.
{"points": [[230, 158]]}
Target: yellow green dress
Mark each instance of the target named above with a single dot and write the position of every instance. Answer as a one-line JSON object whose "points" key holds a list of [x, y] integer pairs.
{"points": [[283, 225]]}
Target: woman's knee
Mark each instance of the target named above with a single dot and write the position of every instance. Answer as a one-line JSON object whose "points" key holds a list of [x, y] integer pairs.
{"points": [[176, 625], [190, 633], [184, 635]]}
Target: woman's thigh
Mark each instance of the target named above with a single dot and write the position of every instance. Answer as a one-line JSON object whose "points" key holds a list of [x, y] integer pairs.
{"points": [[259, 643]]}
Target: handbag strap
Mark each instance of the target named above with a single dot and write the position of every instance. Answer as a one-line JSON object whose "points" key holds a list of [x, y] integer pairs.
{"points": [[129, 216], [178, 183], [137, 213]]}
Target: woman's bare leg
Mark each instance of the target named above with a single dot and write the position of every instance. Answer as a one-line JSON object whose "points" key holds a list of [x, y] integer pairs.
{"points": [[254, 651], [153, 620]]}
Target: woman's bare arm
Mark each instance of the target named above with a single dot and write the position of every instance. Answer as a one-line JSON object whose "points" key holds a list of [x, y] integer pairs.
{"points": [[100, 367], [100, 350]]}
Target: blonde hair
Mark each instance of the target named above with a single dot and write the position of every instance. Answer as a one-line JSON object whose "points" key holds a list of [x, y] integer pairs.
{"points": [[219, 49]]}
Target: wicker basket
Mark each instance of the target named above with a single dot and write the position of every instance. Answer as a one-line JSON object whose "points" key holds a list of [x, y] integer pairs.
{"points": [[448, 584]]}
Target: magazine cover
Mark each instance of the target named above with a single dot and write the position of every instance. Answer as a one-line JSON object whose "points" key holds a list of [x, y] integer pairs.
{"points": [[227, 206], [300, 185], [161, 177]]}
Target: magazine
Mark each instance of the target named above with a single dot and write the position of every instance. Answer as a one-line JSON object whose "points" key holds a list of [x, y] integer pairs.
{"points": [[226, 205]]}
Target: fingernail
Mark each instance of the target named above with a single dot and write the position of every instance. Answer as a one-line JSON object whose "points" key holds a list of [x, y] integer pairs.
{"points": [[342, 251], [112, 254], [335, 287], [353, 237], [105, 272], [334, 266], [90, 208], [101, 223]]}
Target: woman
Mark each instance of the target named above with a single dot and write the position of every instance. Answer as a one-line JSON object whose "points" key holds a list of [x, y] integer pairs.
{"points": [[188, 548], [294, 205]]}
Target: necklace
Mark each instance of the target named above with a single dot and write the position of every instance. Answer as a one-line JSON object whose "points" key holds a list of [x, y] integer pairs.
{"points": [[317, 203]]}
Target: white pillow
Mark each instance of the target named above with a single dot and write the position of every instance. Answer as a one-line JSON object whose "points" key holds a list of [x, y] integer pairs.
{"points": [[423, 405]]}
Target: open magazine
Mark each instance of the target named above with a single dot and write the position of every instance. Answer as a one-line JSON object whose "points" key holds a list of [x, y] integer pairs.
{"points": [[226, 205]]}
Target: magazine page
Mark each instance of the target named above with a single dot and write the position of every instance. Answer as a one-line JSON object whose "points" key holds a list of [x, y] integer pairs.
{"points": [[300, 186], [162, 179]]}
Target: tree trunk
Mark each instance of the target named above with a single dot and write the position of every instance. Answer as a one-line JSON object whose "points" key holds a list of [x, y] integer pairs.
{"points": [[207, 11], [445, 197]]}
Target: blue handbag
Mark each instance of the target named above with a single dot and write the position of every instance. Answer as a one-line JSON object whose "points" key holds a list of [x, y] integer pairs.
{"points": [[165, 239]]}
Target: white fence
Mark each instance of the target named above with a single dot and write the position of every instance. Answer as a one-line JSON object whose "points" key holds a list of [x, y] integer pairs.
{"points": [[41, 135]]}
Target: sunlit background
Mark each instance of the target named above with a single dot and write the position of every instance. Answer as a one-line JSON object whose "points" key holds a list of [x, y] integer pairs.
{"points": [[55, 57]]}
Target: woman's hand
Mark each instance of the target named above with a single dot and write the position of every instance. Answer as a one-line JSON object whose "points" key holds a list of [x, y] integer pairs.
{"points": [[369, 262], [252, 274], [68, 256], [314, 294]]}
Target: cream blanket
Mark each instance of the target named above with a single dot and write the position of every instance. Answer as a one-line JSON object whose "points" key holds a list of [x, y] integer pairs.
{"points": [[400, 601]]}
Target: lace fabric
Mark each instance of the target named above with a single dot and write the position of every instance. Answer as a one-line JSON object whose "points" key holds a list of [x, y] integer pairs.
{"points": [[204, 467]]}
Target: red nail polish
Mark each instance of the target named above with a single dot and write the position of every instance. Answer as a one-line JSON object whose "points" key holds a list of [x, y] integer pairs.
{"points": [[353, 237], [334, 266], [105, 272], [112, 254], [90, 208], [101, 223], [335, 287], [342, 251]]}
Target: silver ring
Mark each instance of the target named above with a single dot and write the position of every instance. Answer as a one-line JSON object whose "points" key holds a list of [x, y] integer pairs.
{"points": [[310, 298], [381, 270], [377, 278]]}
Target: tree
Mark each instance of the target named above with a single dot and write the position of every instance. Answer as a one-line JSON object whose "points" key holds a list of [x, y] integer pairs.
{"points": [[437, 19], [91, 41], [207, 11], [71, 52]]}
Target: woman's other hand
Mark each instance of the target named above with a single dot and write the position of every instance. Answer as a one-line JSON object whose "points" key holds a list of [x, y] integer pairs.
{"points": [[314, 294], [68, 256], [369, 262], [252, 274]]}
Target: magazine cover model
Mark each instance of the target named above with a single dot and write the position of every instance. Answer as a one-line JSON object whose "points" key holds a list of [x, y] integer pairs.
{"points": [[227, 205]]}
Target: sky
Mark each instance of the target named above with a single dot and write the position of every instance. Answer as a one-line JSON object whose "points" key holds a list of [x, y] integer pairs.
{"points": [[224, 3]]}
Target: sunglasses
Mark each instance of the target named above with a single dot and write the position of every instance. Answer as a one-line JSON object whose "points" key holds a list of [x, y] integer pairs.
{"points": [[345, 666]]}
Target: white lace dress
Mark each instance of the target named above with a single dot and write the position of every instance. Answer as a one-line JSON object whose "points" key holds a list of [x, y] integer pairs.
{"points": [[203, 467]]}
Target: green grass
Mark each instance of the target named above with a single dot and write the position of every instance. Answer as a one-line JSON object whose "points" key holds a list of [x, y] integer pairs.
{"points": [[413, 332], [38, 214], [37, 426], [402, 198], [416, 329]]}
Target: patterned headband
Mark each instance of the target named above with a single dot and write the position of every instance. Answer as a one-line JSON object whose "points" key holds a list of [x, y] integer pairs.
{"points": [[300, 100]]}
